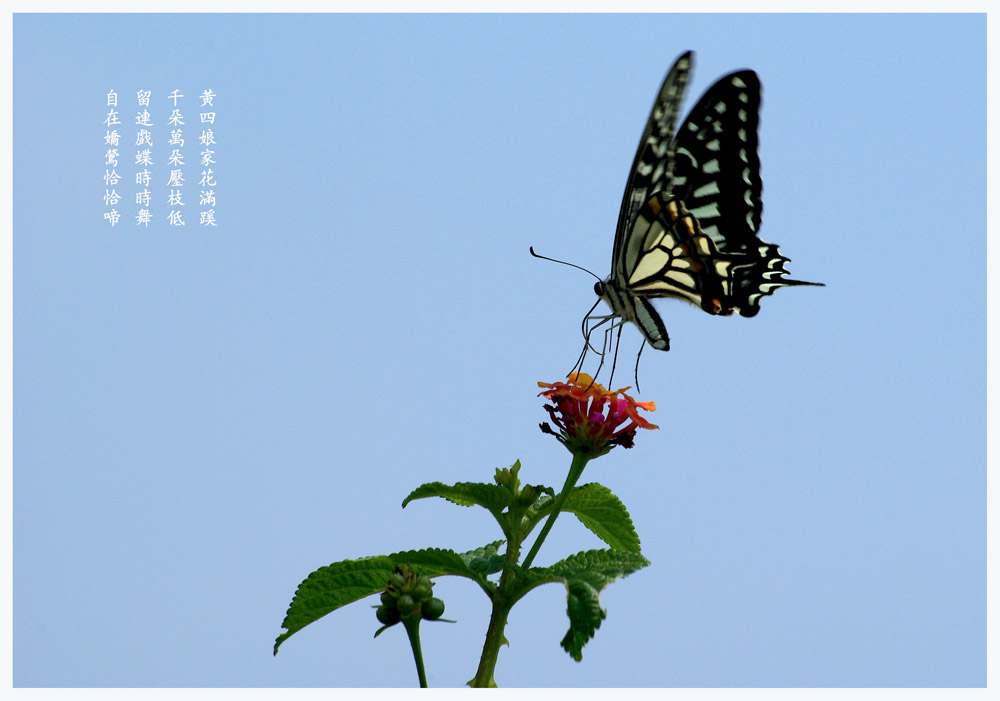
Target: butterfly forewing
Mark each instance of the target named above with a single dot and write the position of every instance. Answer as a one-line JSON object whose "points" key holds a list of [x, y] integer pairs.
{"points": [[652, 165]]}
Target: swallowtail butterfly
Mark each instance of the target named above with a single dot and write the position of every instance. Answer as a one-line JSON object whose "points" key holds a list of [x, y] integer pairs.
{"points": [[691, 211]]}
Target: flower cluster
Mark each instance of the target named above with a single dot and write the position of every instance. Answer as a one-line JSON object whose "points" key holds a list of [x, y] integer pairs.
{"points": [[590, 418]]}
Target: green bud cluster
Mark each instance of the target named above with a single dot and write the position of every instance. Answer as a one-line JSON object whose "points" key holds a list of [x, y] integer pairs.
{"points": [[408, 595]]}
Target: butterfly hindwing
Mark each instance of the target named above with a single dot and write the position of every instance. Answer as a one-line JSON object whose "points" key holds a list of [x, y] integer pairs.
{"points": [[662, 259], [676, 258]]}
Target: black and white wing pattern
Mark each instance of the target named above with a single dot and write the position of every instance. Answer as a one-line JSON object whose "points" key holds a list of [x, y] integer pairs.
{"points": [[717, 170], [653, 162], [691, 210]]}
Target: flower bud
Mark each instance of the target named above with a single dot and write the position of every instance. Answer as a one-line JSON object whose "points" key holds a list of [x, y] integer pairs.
{"points": [[405, 604], [387, 614], [433, 609]]}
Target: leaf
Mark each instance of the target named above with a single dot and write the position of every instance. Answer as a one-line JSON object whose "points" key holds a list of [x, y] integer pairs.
{"points": [[485, 560], [604, 513], [585, 576], [492, 497], [599, 510], [537, 511], [347, 581], [583, 606]]}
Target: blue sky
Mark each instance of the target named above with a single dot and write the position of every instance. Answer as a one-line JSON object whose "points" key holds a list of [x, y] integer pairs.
{"points": [[203, 416]]}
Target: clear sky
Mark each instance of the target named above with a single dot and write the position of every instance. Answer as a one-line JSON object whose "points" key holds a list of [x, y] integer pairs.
{"points": [[205, 415]]}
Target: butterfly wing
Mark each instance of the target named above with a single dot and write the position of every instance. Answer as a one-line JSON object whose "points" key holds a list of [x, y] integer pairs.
{"points": [[696, 238], [717, 169], [651, 168], [692, 209], [677, 258]]}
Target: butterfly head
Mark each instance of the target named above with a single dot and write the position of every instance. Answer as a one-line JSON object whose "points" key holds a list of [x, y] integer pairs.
{"points": [[611, 292]]}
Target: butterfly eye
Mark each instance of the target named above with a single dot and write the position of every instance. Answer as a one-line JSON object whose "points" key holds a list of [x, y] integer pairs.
{"points": [[599, 288]]}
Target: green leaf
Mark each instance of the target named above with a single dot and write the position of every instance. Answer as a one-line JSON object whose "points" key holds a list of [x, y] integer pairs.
{"points": [[585, 576], [604, 514], [347, 581], [492, 497], [599, 510], [485, 560]]}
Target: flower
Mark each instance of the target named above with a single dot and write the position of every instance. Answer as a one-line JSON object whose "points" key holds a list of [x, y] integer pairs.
{"points": [[591, 419]]}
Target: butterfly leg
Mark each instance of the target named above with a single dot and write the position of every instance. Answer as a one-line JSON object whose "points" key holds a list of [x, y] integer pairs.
{"points": [[580, 358], [583, 354], [637, 364], [614, 360], [587, 331], [606, 345], [604, 350], [578, 366]]}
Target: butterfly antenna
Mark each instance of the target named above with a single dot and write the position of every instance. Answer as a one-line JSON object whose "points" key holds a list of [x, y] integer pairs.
{"points": [[531, 250]]}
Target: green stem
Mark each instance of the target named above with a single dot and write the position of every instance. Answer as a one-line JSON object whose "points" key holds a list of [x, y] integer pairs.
{"points": [[502, 601], [575, 470], [412, 625], [498, 619], [491, 648]]}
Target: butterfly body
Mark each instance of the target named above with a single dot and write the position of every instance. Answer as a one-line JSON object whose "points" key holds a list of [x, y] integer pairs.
{"points": [[635, 309], [691, 211]]}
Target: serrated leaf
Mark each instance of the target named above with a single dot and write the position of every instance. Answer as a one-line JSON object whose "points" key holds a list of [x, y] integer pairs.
{"points": [[605, 515], [599, 510], [537, 511], [485, 560], [585, 576], [492, 497], [583, 606], [347, 581]]}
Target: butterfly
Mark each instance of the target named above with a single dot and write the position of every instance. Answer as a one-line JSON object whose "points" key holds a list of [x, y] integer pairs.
{"points": [[689, 218]]}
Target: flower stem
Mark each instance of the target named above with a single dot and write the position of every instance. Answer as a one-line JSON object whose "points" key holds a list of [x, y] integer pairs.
{"points": [[575, 470], [412, 625], [502, 604], [491, 648]]}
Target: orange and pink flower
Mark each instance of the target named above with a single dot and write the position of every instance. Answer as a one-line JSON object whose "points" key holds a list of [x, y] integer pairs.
{"points": [[590, 418]]}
